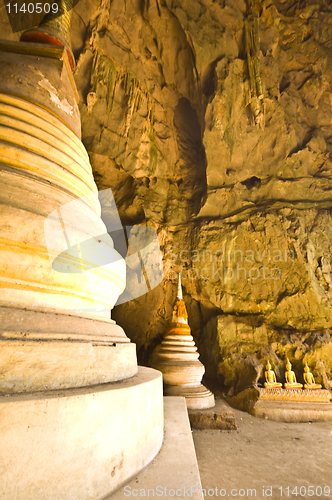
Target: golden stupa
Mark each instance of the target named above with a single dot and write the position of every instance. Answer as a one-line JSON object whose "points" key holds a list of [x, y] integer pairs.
{"points": [[54, 29], [177, 358]]}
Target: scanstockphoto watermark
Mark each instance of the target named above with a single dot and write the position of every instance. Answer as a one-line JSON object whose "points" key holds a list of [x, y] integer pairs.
{"points": [[187, 491], [227, 264], [263, 492]]}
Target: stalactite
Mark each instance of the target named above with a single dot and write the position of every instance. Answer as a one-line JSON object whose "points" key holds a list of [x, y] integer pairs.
{"points": [[106, 73], [256, 97], [153, 150], [136, 93]]}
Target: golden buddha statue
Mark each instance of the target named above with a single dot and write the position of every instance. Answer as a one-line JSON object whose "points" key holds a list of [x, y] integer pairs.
{"points": [[270, 377], [309, 381], [180, 314], [290, 378]]}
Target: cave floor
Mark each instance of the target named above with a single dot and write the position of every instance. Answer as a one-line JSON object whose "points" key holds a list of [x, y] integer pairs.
{"points": [[266, 459]]}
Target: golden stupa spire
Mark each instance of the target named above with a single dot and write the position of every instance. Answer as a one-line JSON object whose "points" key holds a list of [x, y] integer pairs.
{"points": [[54, 29], [179, 294], [180, 314]]}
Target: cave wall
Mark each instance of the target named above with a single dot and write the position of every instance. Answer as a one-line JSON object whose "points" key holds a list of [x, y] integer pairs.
{"points": [[224, 147], [212, 123]]}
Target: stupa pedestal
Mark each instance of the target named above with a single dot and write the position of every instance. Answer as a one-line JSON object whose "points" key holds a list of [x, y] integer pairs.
{"points": [[67, 431], [177, 358]]}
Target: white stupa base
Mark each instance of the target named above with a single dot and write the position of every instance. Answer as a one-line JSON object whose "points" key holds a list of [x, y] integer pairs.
{"points": [[54, 350], [197, 397], [79, 443]]}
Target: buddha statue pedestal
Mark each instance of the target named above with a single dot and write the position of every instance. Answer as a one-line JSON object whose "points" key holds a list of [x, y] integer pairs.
{"points": [[285, 405], [297, 394], [292, 389], [177, 358], [289, 404]]}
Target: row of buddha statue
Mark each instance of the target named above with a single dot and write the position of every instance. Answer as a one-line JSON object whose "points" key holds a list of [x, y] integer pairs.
{"points": [[290, 378]]}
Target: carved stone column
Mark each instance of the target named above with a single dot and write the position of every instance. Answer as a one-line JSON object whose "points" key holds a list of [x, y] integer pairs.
{"points": [[67, 431], [55, 326]]}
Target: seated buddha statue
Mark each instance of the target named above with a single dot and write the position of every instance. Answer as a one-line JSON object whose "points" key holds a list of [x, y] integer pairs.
{"points": [[290, 378], [270, 377], [309, 381]]}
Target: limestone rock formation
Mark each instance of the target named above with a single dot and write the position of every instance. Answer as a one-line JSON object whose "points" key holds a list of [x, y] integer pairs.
{"points": [[212, 123]]}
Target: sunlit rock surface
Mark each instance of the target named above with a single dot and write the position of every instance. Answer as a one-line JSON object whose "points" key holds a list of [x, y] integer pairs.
{"points": [[170, 123]]}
